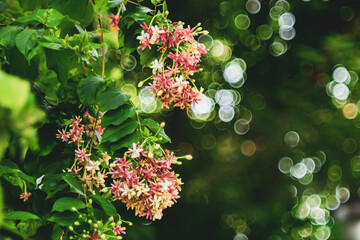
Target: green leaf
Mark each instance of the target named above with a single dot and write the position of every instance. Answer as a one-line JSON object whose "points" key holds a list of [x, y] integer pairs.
{"points": [[75, 9], [61, 62], [74, 184], [20, 215], [114, 133], [114, 3], [56, 233], [67, 203], [64, 219], [117, 116], [112, 98], [27, 44], [51, 42], [88, 89], [149, 55], [101, 6], [126, 142], [155, 127], [137, 13], [48, 17], [7, 36], [108, 207], [164, 7]]}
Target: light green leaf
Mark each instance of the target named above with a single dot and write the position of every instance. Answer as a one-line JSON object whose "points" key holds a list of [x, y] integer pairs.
{"points": [[112, 98], [26, 42], [20, 215], [88, 89], [7, 36], [114, 3], [108, 207], [117, 116], [114, 133], [67, 203]]}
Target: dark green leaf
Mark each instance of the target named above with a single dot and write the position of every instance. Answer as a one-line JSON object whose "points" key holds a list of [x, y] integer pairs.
{"points": [[7, 36], [118, 116], [126, 142], [61, 62], [26, 43], [114, 133], [108, 207], [112, 98], [149, 55], [67, 203], [51, 42], [88, 89], [20, 215], [155, 127], [56, 233], [74, 184], [64, 219]]}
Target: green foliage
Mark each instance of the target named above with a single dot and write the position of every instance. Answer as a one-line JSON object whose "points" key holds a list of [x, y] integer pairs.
{"points": [[89, 88], [68, 203], [112, 98], [20, 215]]}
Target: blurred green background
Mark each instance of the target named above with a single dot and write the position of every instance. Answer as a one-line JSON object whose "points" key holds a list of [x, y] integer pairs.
{"points": [[235, 187]]}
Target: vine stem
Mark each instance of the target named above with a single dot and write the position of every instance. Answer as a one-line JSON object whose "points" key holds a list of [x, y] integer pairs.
{"points": [[103, 51], [86, 7]]}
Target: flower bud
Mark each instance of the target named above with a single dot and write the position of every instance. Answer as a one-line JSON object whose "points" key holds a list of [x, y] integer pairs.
{"points": [[140, 84], [113, 165], [96, 225], [130, 223], [151, 155], [76, 223], [162, 124], [90, 221], [84, 236], [166, 13], [103, 236], [73, 209], [157, 146], [159, 93], [188, 157], [111, 219], [90, 201], [205, 32], [71, 228]]}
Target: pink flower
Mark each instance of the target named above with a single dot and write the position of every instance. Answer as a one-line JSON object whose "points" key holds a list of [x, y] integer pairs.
{"points": [[118, 229], [63, 135], [25, 196], [81, 155]]}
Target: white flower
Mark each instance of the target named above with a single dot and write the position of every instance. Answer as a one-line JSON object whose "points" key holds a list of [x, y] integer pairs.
{"points": [[143, 36], [38, 181], [180, 83], [94, 165], [156, 66]]}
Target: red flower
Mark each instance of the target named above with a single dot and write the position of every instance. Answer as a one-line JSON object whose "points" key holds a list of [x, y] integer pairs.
{"points": [[25, 196], [114, 23], [94, 236]]}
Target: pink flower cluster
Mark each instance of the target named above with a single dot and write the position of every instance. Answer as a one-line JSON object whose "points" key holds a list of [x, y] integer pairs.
{"points": [[75, 133], [180, 59], [92, 174], [145, 183]]}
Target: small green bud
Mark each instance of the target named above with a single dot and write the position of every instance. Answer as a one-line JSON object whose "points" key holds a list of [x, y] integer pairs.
{"points": [[90, 221], [76, 223], [71, 228], [111, 219], [96, 225], [73, 209], [90, 201], [162, 124]]}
